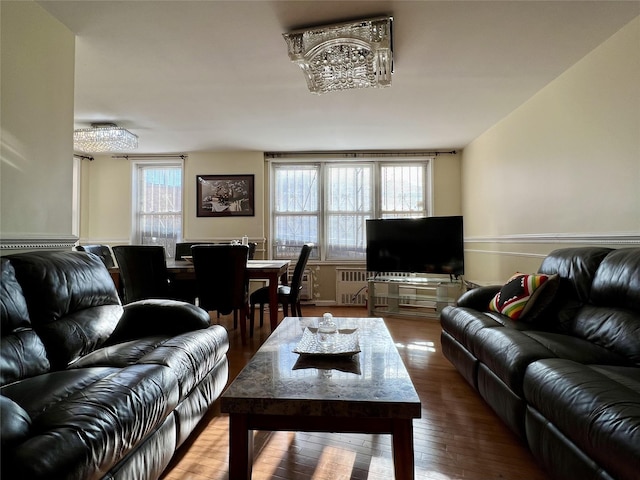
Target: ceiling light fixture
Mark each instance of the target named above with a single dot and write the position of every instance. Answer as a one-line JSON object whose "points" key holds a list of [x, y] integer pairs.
{"points": [[344, 55], [104, 137]]}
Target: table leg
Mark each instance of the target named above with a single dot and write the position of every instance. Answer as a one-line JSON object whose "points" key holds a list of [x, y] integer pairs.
{"points": [[273, 301], [402, 436], [240, 448]]}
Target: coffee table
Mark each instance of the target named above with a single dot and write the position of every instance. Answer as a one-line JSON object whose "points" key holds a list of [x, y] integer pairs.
{"points": [[370, 392]]}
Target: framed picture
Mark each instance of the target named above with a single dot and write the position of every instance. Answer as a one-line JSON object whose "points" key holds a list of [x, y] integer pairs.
{"points": [[225, 195]]}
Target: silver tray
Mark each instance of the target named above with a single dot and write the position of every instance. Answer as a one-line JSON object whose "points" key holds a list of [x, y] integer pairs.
{"points": [[346, 344]]}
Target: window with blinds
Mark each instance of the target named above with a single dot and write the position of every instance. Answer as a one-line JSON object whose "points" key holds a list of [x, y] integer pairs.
{"points": [[328, 203], [158, 204]]}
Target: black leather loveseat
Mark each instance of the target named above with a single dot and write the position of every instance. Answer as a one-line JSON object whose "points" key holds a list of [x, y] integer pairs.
{"points": [[91, 389], [566, 379]]}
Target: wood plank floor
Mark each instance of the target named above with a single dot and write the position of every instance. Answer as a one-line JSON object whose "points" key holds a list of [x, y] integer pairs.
{"points": [[458, 436]]}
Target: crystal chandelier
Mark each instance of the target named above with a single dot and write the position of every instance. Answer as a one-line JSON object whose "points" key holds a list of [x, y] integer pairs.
{"points": [[104, 137], [344, 55]]}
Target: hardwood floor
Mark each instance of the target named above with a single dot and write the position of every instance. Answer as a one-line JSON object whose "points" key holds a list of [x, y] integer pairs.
{"points": [[458, 436]]}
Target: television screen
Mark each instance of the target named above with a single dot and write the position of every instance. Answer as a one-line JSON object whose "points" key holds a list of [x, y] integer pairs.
{"points": [[416, 245]]}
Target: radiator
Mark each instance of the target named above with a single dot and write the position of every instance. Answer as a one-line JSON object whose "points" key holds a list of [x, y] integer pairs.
{"points": [[306, 294], [351, 286]]}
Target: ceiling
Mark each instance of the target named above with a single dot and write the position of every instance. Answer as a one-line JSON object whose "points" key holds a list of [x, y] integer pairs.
{"points": [[190, 76]]}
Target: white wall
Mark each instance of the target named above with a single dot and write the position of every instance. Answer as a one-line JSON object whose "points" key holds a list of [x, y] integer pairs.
{"points": [[36, 149], [562, 169]]}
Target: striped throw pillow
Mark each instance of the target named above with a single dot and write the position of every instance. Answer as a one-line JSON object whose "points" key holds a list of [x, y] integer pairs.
{"points": [[521, 293]]}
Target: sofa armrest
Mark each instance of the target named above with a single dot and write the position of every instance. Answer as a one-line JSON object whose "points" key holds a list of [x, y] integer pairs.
{"points": [[158, 317], [478, 298]]}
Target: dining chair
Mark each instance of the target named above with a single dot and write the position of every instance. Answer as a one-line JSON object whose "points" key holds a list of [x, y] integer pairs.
{"points": [[252, 249], [143, 272], [101, 251], [184, 249], [287, 294], [222, 282], [185, 289]]}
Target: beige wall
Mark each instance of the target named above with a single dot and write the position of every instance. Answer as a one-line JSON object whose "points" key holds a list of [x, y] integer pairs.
{"points": [[105, 200], [36, 146], [224, 163], [447, 186], [562, 169], [106, 205]]}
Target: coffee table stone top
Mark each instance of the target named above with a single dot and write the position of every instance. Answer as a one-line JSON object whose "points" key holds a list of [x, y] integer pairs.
{"points": [[372, 383]]}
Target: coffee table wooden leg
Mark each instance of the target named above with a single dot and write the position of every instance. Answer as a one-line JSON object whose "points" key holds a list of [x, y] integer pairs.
{"points": [[240, 448], [273, 302], [402, 436]]}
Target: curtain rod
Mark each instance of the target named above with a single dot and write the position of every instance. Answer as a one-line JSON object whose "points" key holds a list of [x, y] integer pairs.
{"points": [[83, 157], [359, 154], [141, 156]]}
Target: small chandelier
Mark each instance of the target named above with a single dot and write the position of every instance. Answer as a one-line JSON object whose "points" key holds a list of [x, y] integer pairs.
{"points": [[104, 137], [344, 55]]}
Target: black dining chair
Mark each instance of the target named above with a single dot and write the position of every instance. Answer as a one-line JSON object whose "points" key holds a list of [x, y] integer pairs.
{"points": [[184, 249], [143, 272], [287, 294], [252, 250], [222, 282], [101, 251]]}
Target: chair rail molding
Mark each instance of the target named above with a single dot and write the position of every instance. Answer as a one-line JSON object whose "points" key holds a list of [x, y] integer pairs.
{"points": [[37, 242], [617, 238]]}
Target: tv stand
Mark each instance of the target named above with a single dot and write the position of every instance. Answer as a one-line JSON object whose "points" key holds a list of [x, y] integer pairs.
{"points": [[411, 296]]}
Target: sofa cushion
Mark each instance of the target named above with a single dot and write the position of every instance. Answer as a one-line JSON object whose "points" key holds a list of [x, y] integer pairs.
{"points": [[13, 305], [596, 411], [612, 319], [52, 388], [576, 349], [191, 355], [615, 329], [617, 280], [576, 268], [122, 354], [524, 296], [508, 353], [73, 302], [89, 431], [22, 353]]}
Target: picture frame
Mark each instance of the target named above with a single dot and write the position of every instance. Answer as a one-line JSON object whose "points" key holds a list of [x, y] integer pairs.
{"points": [[225, 195]]}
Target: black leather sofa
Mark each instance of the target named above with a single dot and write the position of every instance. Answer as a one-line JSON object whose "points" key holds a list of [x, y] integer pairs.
{"points": [[567, 380], [91, 389]]}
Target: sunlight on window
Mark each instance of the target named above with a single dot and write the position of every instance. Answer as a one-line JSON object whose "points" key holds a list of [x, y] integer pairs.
{"points": [[329, 202], [418, 346]]}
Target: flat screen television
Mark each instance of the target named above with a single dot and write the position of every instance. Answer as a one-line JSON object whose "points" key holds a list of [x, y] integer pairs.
{"points": [[416, 245]]}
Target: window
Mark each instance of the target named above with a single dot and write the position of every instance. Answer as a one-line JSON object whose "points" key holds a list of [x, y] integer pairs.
{"points": [[296, 208], [157, 204], [328, 203]]}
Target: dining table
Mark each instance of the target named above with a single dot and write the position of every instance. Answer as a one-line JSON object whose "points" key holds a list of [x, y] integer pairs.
{"points": [[274, 271]]}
